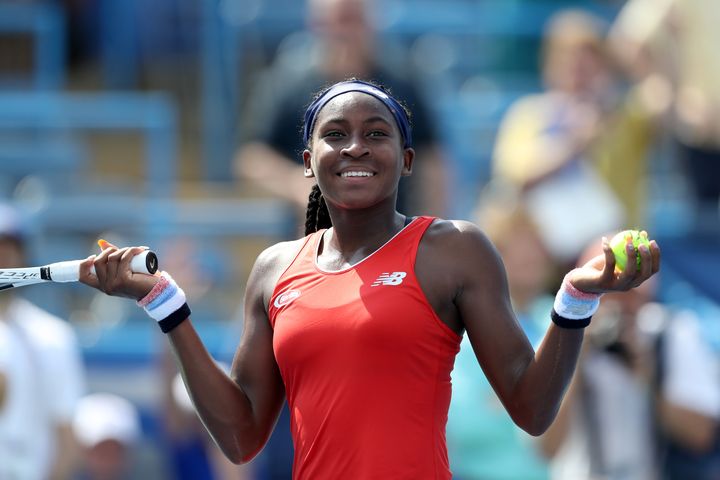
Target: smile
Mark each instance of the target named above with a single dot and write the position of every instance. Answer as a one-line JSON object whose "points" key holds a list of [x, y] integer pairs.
{"points": [[357, 174]]}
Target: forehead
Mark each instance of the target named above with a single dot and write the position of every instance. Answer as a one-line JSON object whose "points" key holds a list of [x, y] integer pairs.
{"points": [[354, 104]]}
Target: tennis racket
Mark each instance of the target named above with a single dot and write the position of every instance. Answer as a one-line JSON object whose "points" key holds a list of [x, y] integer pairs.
{"points": [[69, 271]]}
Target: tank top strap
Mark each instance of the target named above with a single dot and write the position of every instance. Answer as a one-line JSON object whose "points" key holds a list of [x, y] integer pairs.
{"points": [[306, 255], [403, 247]]}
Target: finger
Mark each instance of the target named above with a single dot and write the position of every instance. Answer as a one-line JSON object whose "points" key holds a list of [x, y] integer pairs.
{"points": [[86, 276], [608, 273], [655, 250], [645, 265], [113, 265], [628, 275], [104, 244], [100, 263], [127, 257]]}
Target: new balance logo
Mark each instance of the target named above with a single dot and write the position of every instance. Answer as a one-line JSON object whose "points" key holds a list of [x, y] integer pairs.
{"points": [[394, 278]]}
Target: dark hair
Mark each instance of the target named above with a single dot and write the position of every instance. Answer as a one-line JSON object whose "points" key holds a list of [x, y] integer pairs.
{"points": [[317, 216]]}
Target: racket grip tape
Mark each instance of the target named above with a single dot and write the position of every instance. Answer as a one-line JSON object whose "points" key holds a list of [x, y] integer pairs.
{"points": [[144, 262]]}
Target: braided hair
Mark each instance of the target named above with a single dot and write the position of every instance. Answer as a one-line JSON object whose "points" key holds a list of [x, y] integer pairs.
{"points": [[317, 216]]}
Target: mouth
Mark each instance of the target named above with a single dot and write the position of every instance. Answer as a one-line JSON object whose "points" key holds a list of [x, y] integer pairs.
{"points": [[356, 174]]}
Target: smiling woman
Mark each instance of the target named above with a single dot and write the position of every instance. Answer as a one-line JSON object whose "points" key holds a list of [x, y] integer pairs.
{"points": [[377, 127], [357, 324]]}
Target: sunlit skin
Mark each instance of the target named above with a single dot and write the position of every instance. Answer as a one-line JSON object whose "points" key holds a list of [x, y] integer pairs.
{"points": [[458, 269]]}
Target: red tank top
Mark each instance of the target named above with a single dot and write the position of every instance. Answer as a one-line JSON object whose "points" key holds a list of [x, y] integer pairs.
{"points": [[366, 364]]}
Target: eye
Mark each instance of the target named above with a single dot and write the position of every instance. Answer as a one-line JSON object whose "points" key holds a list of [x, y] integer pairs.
{"points": [[332, 133], [377, 133]]}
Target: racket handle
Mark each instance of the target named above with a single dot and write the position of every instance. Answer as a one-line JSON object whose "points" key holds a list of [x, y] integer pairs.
{"points": [[144, 262]]}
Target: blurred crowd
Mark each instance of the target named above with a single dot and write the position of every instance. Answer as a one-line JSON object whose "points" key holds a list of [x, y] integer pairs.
{"points": [[624, 131]]}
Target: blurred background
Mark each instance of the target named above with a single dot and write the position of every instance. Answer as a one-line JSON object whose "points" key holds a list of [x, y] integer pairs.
{"points": [[142, 123]]}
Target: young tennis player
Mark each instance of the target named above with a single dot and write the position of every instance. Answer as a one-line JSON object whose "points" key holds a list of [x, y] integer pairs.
{"points": [[357, 324]]}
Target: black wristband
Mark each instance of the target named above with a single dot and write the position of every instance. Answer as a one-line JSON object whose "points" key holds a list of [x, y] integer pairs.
{"points": [[569, 322], [174, 319]]}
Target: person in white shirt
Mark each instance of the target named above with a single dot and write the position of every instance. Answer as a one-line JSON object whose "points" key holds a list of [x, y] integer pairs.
{"points": [[41, 377]]}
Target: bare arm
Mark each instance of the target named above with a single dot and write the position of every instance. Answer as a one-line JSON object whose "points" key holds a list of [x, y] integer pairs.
{"points": [[240, 410], [529, 384], [554, 437]]}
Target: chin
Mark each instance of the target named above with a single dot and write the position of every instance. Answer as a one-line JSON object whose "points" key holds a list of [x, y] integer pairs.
{"points": [[359, 202]]}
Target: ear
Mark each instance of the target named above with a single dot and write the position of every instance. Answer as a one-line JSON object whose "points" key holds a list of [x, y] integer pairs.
{"points": [[307, 164], [408, 159]]}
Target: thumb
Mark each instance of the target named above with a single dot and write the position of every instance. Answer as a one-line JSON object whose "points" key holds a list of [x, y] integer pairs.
{"points": [[609, 270]]}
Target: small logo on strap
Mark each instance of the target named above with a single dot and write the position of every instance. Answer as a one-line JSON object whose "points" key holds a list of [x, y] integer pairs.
{"points": [[394, 278]]}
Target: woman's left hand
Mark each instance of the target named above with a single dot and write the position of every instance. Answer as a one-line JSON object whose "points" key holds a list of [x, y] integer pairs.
{"points": [[599, 274]]}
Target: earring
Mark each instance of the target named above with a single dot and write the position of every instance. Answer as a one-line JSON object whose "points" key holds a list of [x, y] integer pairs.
{"points": [[308, 172]]}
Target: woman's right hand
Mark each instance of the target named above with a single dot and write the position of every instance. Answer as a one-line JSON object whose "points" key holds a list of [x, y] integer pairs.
{"points": [[113, 274]]}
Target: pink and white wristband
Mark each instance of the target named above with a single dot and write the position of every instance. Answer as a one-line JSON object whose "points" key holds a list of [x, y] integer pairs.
{"points": [[574, 308], [166, 303]]}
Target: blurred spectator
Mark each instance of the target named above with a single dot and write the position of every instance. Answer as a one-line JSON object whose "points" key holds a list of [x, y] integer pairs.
{"points": [[41, 372], [108, 429], [483, 442], [688, 391], [674, 44], [577, 151], [343, 44], [644, 379]]}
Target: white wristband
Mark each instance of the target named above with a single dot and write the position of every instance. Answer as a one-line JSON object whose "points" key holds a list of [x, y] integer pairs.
{"points": [[573, 304], [165, 298]]}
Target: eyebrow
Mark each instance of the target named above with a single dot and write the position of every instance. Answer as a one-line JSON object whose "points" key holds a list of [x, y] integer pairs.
{"points": [[372, 119]]}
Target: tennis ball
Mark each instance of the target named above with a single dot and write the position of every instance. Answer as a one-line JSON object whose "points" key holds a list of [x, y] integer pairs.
{"points": [[619, 241]]}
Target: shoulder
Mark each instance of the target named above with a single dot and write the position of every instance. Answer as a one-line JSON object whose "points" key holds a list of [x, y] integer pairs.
{"points": [[279, 256], [457, 233], [458, 244], [270, 265]]}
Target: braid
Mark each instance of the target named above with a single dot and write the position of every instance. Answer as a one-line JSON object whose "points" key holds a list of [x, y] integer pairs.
{"points": [[317, 215], [323, 215]]}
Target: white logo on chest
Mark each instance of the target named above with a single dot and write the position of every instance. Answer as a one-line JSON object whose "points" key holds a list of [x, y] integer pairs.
{"points": [[285, 298], [394, 278]]}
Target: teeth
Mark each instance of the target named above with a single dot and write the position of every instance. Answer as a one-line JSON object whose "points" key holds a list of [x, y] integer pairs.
{"points": [[357, 174]]}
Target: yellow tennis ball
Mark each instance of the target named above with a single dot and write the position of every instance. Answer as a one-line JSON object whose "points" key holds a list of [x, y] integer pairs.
{"points": [[619, 242]]}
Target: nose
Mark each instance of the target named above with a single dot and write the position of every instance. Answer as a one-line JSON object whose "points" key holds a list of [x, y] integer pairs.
{"points": [[356, 147]]}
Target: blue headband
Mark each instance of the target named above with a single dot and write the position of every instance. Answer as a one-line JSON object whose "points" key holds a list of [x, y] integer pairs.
{"points": [[393, 105]]}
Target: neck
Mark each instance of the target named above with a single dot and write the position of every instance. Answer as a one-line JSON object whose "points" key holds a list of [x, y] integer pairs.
{"points": [[360, 232]]}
